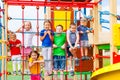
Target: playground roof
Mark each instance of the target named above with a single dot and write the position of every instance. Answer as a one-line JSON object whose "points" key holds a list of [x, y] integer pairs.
{"points": [[59, 3]]}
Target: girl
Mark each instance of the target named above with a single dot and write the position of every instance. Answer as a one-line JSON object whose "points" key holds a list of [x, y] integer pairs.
{"points": [[14, 45], [26, 48], [34, 65], [46, 36]]}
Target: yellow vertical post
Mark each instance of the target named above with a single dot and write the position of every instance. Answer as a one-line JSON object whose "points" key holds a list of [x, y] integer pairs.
{"points": [[96, 28], [6, 28], [4, 37], [2, 55], [113, 20]]}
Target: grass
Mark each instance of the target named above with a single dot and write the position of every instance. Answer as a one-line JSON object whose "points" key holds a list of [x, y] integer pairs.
{"points": [[26, 77], [106, 62], [12, 77]]}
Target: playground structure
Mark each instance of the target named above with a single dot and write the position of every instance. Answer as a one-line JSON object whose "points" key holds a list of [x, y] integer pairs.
{"points": [[99, 41]]}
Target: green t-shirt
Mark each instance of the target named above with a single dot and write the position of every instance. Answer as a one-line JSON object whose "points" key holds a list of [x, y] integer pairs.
{"points": [[59, 40]]}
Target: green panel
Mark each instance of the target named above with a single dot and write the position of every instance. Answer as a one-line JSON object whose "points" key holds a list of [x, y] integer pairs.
{"points": [[104, 46], [118, 47]]}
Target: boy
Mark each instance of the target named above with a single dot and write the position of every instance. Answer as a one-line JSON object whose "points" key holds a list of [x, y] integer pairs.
{"points": [[73, 40], [83, 31], [59, 55]]}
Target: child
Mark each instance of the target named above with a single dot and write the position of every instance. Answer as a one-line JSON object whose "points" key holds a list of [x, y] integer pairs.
{"points": [[14, 44], [59, 55], [83, 31], [46, 36], [34, 65], [72, 39], [26, 48]]}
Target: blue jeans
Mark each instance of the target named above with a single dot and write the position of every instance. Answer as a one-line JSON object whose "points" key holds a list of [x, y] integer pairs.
{"points": [[59, 62]]}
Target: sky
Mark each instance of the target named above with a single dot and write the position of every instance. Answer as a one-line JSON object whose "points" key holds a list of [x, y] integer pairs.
{"points": [[30, 13]]}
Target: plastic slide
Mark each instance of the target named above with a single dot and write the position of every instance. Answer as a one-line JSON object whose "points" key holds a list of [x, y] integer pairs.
{"points": [[111, 72]]}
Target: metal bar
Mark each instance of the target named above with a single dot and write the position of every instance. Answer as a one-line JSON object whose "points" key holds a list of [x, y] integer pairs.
{"points": [[53, 3]]}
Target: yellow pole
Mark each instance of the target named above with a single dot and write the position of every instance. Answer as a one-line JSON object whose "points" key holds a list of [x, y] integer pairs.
{"points": [[2, 55], [113, 20], [4, 37]]}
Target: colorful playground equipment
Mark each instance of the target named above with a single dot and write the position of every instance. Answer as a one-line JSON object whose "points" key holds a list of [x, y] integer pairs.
{"points": [[64, 12], [107, 73]]}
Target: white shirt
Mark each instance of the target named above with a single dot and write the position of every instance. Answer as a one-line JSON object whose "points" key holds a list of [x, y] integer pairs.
{"points": [[28, 38]]}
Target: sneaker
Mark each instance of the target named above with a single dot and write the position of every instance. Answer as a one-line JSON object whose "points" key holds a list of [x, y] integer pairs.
{"points": [[77, 62], [50, 74], [71, 73], [83, 58], [19, 72], [14, 73], [26, 72], [87, 58]]}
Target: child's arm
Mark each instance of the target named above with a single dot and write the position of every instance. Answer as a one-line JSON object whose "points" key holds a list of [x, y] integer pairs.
{"points": [[77, 40], [18, 45], [20, 29], [39, 61], [7, 43], [51, 36], [81, 32], [42, 37], [55, 46], [89, 30], [69, 40], [63, 46], [32, 63]]}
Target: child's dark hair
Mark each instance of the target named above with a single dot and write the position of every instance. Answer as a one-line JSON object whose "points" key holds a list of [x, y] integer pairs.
{"points": [[72, 24], [34, 52], [60, 26]]}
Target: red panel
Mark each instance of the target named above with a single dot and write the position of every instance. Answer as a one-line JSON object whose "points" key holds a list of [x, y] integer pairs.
{"points": [[116, 57], [51, 3]]}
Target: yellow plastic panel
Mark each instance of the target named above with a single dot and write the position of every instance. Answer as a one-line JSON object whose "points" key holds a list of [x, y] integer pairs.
{"points": [[62, 18], [116, 34]]}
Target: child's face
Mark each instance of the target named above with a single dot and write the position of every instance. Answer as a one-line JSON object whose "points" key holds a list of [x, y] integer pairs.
{"points": [[13, 37], [59, 29], [47, 26], [34, 56], [27, 26], [83, 23], [73, 28]]}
